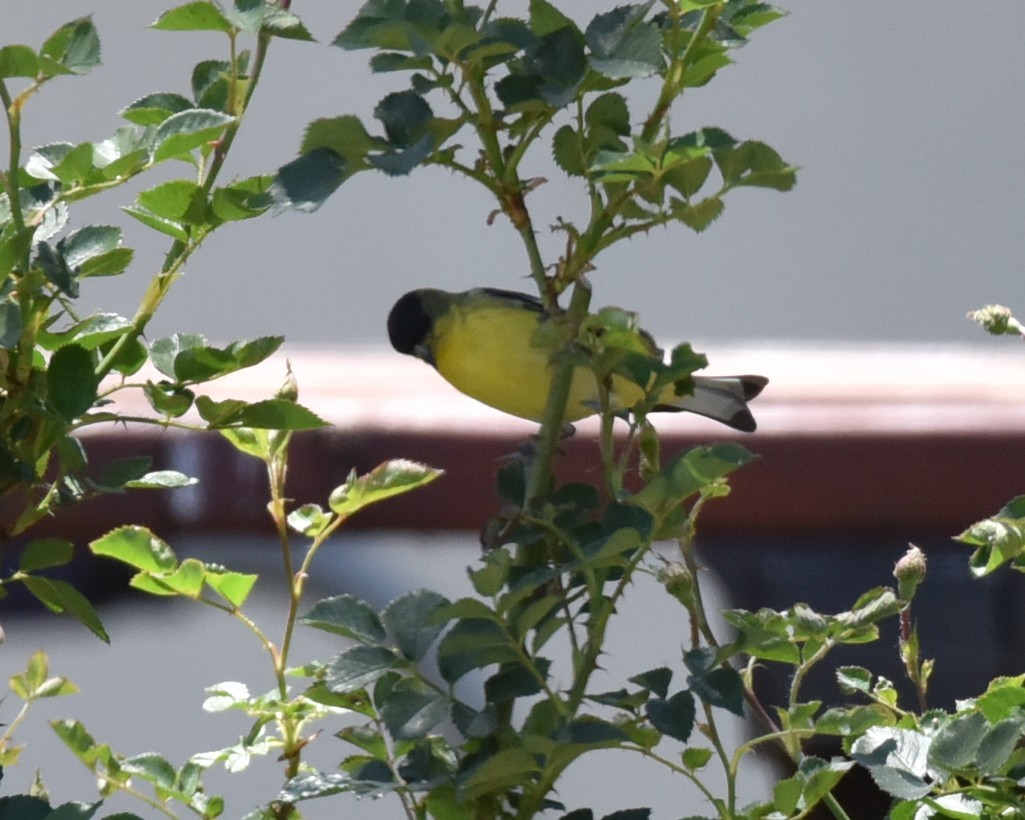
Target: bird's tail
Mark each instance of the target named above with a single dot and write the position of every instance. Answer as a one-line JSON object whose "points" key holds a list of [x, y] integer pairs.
{"points": [[723, 398]]}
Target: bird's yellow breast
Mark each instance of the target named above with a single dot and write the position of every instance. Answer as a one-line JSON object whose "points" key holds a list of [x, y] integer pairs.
{"points": [[492, 353]]}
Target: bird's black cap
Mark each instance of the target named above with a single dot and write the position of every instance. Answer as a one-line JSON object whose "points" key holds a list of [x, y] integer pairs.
{"points": [[408, 323]]}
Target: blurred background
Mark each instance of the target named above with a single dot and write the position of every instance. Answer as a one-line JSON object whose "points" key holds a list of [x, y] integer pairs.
{"points": [[907, 122]]}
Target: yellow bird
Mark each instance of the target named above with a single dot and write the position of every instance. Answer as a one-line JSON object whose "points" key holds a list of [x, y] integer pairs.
{"points": [[485, 343]]}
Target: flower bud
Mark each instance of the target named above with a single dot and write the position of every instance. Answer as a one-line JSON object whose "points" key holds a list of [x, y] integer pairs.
{"points": [[909, 572], [289, 390], [679, 582]]}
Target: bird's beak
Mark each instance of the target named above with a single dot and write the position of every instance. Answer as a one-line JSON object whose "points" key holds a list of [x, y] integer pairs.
{"points": [[424, 352]]}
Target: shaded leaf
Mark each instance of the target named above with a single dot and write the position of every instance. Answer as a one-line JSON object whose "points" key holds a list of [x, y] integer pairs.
{"points": [[409, 620], [348, 616], [71, 384]]}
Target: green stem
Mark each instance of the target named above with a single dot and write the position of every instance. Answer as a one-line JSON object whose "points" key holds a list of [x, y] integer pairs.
{"points": [[180, 250], [672, 86], [540, 478]]}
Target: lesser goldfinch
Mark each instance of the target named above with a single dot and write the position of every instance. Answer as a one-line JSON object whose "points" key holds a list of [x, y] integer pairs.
{"points": [[485, 343]]}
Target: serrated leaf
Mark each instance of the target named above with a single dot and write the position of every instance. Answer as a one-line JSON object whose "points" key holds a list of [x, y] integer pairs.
{"points": [[279, 414], [86, 243], [410, 715], [358, 667], [199, 362], [896, 759], [234, 587], [673, 716], [244, 199], [389, 479], [175, 230], [501, 772], [409, 620], [138, 547], [196, 16], [178, 200], [74, 48], [60, 596], [187, 130], [473, 644], [153, 109], [623, 45], [348, 616], [306, 182]]}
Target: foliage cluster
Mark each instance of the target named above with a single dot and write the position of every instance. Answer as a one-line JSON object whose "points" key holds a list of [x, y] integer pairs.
{"points": [[486, 94]]}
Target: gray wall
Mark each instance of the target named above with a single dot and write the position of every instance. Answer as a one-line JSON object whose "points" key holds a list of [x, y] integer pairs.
{"points": [[907, 119]]}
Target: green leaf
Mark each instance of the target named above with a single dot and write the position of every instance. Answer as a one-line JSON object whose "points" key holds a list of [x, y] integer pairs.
{"points": [[699, 215], [138, 547], [998, 539], [306, 182], [309, 519], [153, 109], [45, 552], [673, 716], [243, 199], [73, 49], [161, 480], [1003, 698], [164, 351], [345, 136], [358, 667], [52, 263], [18, 61], [385, 481], [234, 587], [24, 807], [721, 687], [60, 596], [655, 680], [696, 758], [755, 164], [405, 116], [473, 644], [178, 200], [279, 414], [195, 16], [896, 759], [71, 384], [409, 620], [501, 772], [999, 744], [187, 130], [88, 243], [175, 230], [198, 362], [348, 616], [546, 18], [168, 399], [14, 244], [623, 45], [956, 742], [409, 714]]}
